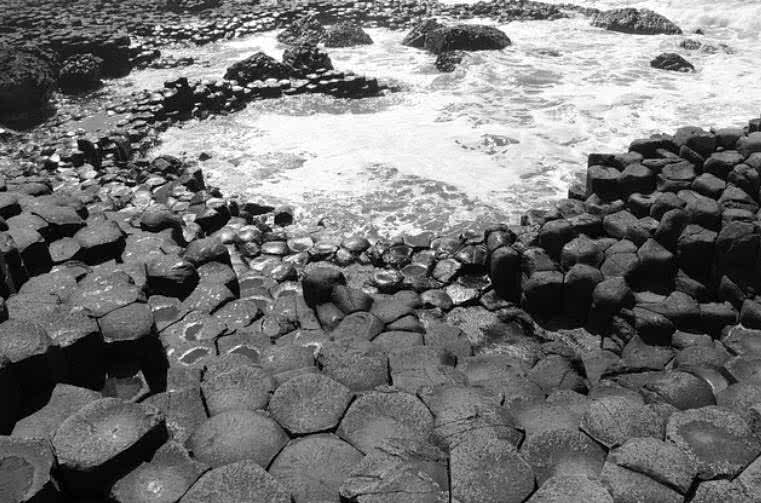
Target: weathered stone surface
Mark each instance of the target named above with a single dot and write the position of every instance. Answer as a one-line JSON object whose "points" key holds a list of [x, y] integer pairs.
{"points": [[104, 440], [236, 482], [379, 415], [313, 468], [237, 435]]}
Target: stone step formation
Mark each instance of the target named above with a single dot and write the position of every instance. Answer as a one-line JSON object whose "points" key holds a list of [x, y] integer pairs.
{"points": [[160, 342], [161, 339]]}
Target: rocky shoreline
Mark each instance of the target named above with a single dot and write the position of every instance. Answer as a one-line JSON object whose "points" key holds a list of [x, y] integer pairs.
{"points": [[161, 342]]}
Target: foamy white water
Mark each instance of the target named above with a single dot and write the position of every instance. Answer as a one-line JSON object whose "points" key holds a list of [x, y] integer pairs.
{"points": [[506, 132]]}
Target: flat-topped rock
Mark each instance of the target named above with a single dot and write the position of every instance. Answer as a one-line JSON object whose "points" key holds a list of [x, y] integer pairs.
{"points": [[104, 440]]}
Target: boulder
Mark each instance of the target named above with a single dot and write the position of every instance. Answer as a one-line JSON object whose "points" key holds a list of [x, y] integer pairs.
{"points": [[635, 21], [465, 37], [80, 73], [306, 58], [346, 34], [448, 61], [673, 62], [306, 29], [27, 81], [259, 66], [416, 37]]}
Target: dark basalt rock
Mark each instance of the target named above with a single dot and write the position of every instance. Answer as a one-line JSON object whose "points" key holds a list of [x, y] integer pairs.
{"points": [[165, 478], [673, 62], [416, 37], [257, 67], [313, 468], [634, 21], [306, 29], [192, 5], [306, 58], [309, 403], [26, 471], [448, 61], [236, 482], [27, 81], [105, 440], [237, 435], [465, 37], [64, 401], [80, 73], [346, 34]]}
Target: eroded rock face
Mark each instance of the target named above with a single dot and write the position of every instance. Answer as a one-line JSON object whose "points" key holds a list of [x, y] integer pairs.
{"points": [[27, 81], [635, 21]]}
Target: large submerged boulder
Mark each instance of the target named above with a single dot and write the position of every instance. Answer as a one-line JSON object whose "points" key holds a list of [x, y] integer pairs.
{"points": [[465, 37], [306, 58], [80, 73], [27, 81], [257, 67], [672, 61], [346, 35], [635, 21]]}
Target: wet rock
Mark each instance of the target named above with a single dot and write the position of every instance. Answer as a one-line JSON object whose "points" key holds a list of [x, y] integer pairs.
{"points": [[416, 37], [673, 62], [722, 491], [306, 58], [259, 66], [166, 477], [380, 415], [80, 73], [314, 467], [25, 469], [447, 61], [543, 293], [237, 435], [103, 441], [346, 34], [318, 285], [240, 481], [640, 22], [464, 37]]}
